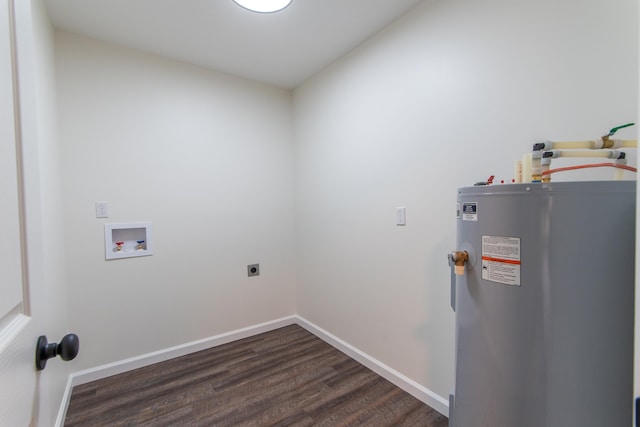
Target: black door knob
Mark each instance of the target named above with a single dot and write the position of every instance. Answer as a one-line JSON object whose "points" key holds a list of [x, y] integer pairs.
{"points": [[67, 349]]}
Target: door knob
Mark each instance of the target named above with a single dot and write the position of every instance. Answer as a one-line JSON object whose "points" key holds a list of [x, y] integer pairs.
{"points": [[67, 349]]}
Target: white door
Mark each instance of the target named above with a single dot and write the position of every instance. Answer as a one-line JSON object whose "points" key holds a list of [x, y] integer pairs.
{"points": [[20, 324]]}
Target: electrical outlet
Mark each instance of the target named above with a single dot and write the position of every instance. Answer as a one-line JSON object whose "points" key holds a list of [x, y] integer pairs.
{"points": [[102, 209], [253, 270]]}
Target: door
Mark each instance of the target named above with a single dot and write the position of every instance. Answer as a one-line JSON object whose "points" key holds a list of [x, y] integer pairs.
{"points": [[20, 323]]}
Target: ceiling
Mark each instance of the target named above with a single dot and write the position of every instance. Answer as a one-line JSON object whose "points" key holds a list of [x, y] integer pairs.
{"points": [[281, 49]]}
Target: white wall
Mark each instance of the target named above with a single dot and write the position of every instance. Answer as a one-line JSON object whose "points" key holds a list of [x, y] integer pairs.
{"points": [[450, 94], [207, 158]]}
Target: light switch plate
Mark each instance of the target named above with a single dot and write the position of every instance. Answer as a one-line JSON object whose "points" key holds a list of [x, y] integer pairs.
{"points": [[401, 216]]}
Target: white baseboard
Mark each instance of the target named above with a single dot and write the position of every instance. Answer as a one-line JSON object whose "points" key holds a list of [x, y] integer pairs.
{"points": [[119, 367], [141, 361], [423, 394], [66, 396], [407, 384]]}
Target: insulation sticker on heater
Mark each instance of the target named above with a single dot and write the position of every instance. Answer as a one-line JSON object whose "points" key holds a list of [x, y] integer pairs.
{"points": [[470, 211], [501, 259]]}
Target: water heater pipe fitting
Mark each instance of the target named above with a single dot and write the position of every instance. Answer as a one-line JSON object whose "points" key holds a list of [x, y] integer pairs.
{"points": [[459, 258]]}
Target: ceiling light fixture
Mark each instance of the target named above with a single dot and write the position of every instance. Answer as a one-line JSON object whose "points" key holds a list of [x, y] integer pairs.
{"points": [[264, 6]]}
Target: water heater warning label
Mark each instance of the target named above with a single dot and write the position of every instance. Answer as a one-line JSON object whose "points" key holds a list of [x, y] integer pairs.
{"points": [[501, 259], [470, 211]]}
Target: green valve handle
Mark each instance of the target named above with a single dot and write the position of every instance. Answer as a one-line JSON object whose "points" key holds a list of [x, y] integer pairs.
{"points": [[617, 128]]}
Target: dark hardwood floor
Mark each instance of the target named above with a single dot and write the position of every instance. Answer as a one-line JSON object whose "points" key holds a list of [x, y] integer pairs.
{"points": [[286, 377]]}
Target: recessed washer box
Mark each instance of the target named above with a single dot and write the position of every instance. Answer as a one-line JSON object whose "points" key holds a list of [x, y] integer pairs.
{"points": [[127, 240]]}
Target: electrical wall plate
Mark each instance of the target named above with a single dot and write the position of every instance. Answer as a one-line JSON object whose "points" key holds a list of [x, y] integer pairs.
{"points": [[401, 215], [253, 270], [102, 209]]}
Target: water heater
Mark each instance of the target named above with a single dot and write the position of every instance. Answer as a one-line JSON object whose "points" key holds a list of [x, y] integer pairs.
{"points": [[544, 305]]}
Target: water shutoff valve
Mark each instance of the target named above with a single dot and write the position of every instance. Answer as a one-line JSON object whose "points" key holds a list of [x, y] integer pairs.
{"points": [[459, 259]]}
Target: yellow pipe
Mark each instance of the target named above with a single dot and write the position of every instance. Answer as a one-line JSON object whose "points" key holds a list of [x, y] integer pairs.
{"points": [[607, 154], [575, 144], [593, 144], [629, 143]]}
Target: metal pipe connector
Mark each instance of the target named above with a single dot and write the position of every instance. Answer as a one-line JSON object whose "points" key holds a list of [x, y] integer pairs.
{"points": [[459, 259]]}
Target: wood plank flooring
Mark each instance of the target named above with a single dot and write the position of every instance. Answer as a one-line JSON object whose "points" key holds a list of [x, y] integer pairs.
{"points": [[286, 377]]}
